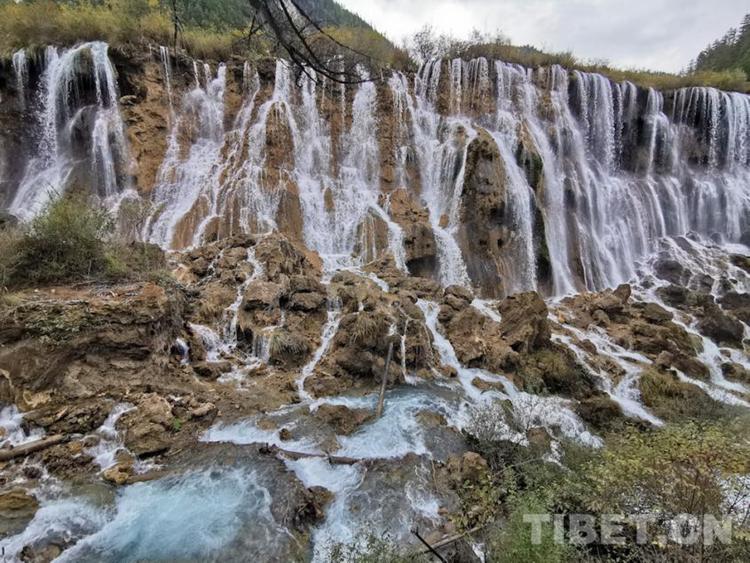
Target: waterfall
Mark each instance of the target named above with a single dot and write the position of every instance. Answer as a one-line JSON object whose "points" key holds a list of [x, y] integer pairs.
{"points": [[21, 68], [182, 178], [619, 173], [522, 259], [66, 112], [596, 172], [167, 68], [440, 145]]}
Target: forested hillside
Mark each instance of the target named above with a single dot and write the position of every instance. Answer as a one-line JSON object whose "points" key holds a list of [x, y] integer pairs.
{"points": [[731, 52]]}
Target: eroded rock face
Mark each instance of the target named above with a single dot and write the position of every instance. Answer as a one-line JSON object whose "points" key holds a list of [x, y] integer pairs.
{"points": [[371, 322], [146, 429], [477, 340], [524, 322], [419, 240], [720, 327], [484, 229], [69, 344]]}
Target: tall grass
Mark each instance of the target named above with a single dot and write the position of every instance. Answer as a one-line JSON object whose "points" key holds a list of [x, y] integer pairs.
{"points": [[428, 43], [118, 22]]}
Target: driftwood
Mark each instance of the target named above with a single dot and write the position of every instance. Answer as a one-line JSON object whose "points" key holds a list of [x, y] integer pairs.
{"points": [[270, 449], [26, 449], [384, 382], [447, 540]]}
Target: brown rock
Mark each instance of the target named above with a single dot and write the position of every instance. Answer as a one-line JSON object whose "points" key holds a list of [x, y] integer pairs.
{"points": [[738, 304], [17, 504], [204, 410], [307, 301], [343, 419], [211, 370], [721, 327], [524, 325], [147, 428], [262, 295], [655, 313], [118, 474], [736, 372]]}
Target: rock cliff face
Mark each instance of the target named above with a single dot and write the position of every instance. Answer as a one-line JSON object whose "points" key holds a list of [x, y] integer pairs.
{"points": [[478, 173], [464, 235]]}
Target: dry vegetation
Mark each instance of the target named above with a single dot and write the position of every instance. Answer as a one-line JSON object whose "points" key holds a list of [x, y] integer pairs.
{"points": [[426, 43], [44, 22]]}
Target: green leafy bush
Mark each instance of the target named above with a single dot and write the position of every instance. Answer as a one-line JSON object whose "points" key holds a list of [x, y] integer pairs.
{"points": [[65, 242], [69, 241]]}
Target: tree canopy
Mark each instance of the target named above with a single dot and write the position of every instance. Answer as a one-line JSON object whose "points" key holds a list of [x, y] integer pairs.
{"points": [[731, 52]]}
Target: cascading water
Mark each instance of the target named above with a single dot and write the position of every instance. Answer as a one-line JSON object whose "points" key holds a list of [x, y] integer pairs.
{"points": [[440, 145], [618, 174], [64, 115], [21, 68], [181, 179]]}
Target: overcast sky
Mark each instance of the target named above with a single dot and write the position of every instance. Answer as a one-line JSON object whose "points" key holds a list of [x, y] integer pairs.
{"points": [[654, 34]]}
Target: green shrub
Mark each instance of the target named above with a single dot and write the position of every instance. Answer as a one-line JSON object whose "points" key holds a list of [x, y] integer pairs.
{"points": [[65, 242], [512, 541], [69, 241], [10, 242]]}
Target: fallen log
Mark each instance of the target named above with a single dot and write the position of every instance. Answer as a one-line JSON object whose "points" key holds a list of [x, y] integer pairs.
{"points": [[23, 450], [270, 449], [384, 382], [447, 540]]}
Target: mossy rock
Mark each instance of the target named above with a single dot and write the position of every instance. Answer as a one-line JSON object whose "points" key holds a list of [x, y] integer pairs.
{"points": [[601, 413], [555, 370], [671, 399]]}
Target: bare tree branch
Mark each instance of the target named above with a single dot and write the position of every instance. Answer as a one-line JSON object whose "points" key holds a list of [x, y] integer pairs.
{"points": [[299, 35]]}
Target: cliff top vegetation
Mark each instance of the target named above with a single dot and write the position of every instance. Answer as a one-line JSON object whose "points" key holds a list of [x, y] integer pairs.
{"points": [[220, 29]]}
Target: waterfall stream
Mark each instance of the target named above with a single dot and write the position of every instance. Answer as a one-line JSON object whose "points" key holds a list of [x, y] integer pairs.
{"points": [[63, 116]]}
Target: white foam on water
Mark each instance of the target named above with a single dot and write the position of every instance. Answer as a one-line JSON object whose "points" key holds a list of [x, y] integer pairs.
{"points": [[64, 519], [247, 432], [552, 413], [329, 331], [625, 393], [193, 516], [11, 420], [110, 441]]}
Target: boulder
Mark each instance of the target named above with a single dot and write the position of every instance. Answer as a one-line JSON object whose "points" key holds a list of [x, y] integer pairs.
{"points": [[147, 428], [721, 327], [736, 372], [476, 339], [738, 304], [77, 418], [17, 508], [343, 419], [262, 295], [307, 302], [655, 313], [524, 324], [211, 370], [672, 271]]}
